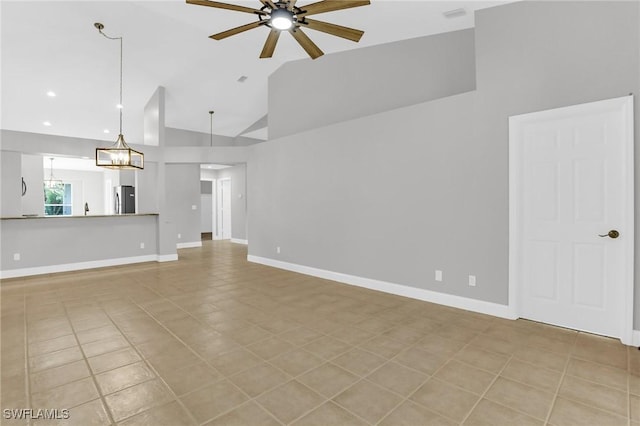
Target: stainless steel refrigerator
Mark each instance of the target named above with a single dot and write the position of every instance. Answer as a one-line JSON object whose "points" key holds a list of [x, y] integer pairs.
{"points": [[124, 199]]}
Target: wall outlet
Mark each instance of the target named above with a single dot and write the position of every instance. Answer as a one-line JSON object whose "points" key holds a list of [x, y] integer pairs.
{"points": [[194, 207], [179, 236], [278, 249], [472, 280], [438, 275], [16, 256], [141, 245]]}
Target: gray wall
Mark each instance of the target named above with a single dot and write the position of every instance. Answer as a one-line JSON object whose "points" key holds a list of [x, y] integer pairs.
{"points": [[206, 205], [181, 137], [396, 195], [362, 82], [183, 192], [146, 184], [10, 184], [67, 240], [238, 175]]}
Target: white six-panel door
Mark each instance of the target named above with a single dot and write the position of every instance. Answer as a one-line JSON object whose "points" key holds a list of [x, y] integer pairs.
{"points": [[571, 183]]}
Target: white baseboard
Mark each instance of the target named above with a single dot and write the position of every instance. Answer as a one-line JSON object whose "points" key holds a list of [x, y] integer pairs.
{"points": [[635, 338], [239, 241], [480, 306], [189, 245], [52, 269], [167, 257]]}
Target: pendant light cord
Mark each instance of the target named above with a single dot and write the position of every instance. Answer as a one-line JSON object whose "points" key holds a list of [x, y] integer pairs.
{"points": [[211, 127], [100, 28]]}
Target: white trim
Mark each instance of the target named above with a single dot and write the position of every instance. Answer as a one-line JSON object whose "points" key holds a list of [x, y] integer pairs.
{"points": [[67, 267], [219, 234], [189, 245], [460, 302], [627, 336], [625, 105], [635, 338], [239, 241], [167, 257]]}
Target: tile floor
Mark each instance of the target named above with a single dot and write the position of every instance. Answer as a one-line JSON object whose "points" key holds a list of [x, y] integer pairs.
{"points": [[212, 339]]}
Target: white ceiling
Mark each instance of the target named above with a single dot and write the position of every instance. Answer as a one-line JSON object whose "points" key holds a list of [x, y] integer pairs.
{"points": [[53, 46]]}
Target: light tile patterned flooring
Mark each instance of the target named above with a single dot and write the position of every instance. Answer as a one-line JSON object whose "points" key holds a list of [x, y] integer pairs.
{"points": [[212, 339]]}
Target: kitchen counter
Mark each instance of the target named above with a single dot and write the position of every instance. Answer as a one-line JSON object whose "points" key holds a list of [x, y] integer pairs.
{"points": [[79, 217]]}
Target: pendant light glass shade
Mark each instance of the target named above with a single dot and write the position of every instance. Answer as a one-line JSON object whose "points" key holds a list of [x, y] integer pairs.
{"points": [[119, 155]]}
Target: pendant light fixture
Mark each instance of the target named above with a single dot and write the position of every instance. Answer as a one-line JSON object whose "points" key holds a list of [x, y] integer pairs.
{"points": [[52, 182], [119, 155]]}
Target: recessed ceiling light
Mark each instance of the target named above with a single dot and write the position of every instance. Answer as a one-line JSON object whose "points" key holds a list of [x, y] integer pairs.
{"points": [[51, 94], [242, 79], [454, 13], [119, 106], [106, 130], [46, 123]]}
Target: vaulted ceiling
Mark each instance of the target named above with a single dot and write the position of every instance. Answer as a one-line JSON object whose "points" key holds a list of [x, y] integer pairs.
{"points": [[53, 46]]}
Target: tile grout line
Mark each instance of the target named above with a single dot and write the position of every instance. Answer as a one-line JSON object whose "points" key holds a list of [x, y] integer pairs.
{"points": [[27, 368], [495, 379], [225, 378], [148, 364], [560, 382], [628, 386], [429, 376], [86, 361]]}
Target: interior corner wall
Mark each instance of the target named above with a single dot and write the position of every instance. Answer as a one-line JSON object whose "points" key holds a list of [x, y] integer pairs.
{"points": [[395, 195], [238, 175], [183, 192]]}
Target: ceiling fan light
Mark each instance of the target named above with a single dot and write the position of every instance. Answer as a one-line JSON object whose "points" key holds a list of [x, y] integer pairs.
{"points": [[281, 19]]}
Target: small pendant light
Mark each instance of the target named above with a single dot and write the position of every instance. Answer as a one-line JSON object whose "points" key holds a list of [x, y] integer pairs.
{"points": [[52, 182]]}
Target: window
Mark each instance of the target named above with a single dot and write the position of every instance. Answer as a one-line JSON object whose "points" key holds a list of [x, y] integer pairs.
{"points": [[57, 200]]}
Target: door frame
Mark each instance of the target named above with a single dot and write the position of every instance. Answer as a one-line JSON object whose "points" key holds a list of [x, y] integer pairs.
{"points": [[220, 218], [516, 125]]}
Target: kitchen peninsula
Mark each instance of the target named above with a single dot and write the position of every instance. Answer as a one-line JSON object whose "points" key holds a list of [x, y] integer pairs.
{"points": [[33, 245]]}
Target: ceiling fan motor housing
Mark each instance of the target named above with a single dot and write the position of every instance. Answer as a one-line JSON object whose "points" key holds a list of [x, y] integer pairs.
{"points": [[281, 18]]}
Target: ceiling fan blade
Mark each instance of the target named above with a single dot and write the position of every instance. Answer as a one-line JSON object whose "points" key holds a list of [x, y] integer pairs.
{"points": [[333, 29], [236, 30], [228, 6], [270, 44], [269, 3], [331, 5], [291, 5], [306, 43]]}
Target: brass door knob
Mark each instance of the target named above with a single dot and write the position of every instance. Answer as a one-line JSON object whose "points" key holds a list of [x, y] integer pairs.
{"points": [[611, 234]]}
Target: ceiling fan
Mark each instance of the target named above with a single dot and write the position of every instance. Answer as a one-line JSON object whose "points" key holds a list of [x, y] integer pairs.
{"points": [[285, 15]]}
